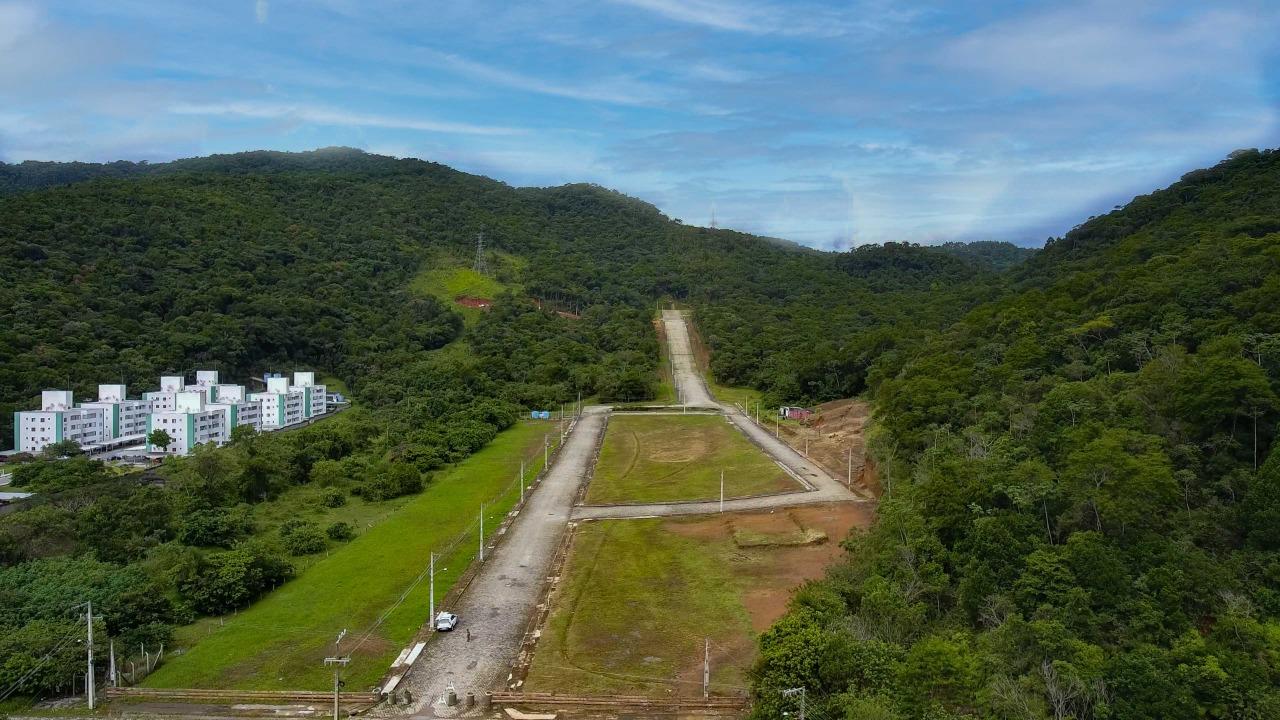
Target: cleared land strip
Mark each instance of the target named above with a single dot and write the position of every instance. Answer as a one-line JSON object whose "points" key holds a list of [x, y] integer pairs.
{"points": [[496, 605], [822, 487], [690, 387]]}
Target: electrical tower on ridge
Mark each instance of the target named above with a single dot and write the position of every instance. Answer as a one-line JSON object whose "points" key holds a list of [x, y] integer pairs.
{"points": [[481, 265]]}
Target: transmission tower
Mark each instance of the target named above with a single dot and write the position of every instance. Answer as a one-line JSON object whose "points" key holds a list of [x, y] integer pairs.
{"points": [[713, 216], [481, 265]]}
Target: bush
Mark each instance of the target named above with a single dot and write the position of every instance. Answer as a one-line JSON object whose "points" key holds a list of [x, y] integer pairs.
{"points": [[333, 497], [217, 528], [301, 537], [340, 531], [392, 481], [230, 579]]}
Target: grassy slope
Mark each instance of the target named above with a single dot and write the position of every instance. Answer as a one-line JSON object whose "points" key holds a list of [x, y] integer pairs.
{"points": [[679, 457], [281, 641], [637, 603]]}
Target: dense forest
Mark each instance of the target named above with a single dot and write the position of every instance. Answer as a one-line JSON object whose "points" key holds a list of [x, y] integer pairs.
{"points": [[1076, 443], [1082, 493]]}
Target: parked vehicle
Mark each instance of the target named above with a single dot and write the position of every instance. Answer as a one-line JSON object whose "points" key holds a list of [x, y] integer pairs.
{"points": [[446, 621]]}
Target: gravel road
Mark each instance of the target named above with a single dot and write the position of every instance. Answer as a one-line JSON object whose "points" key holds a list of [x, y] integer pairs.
{"points": [[820, 486], [499, 602], [690, 388]]}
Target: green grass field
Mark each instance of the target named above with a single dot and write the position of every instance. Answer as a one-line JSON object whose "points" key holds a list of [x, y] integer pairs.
{"points": [[640, 597], [281, 641], [661, 458], [633, 614], [448, 279]]}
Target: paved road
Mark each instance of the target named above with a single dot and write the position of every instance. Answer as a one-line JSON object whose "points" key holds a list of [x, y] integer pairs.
{"points": [[820, 486], [498, 604], [691, 389]]}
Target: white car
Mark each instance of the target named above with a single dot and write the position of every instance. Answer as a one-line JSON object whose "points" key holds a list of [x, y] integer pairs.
{"points": [[446, 621]]}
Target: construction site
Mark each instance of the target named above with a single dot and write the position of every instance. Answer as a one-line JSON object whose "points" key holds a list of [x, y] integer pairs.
{"points": [[632, 574]]}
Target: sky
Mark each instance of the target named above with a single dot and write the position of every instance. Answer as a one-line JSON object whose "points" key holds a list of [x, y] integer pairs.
{"points": [[827, 123]]}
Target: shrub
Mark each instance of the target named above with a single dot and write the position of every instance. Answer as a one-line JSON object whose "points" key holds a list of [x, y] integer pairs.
{"points": [[301, 537], [333, 497], [340, 531]]}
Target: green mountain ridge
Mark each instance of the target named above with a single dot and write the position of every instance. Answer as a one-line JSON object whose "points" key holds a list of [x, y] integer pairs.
{"points": [[1077, 442]]}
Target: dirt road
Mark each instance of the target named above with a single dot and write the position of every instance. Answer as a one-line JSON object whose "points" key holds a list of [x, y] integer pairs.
{"points": [[498, 603], [690, 388], [820, 486]]}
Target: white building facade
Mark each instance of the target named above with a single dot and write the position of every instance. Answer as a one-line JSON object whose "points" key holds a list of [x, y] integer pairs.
{"points": [[204, 412]]}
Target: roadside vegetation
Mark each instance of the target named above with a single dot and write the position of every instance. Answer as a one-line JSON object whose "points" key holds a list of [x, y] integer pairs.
{"points": [[279, 642], [668, 458]]}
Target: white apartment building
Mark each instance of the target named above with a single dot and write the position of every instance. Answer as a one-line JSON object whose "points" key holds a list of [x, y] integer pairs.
{"points": [[207, 382], [281, 405], [58, 419], [204, 412], [314, 397], [232, 400], [190, 423], [165, 399], [122, 418]]}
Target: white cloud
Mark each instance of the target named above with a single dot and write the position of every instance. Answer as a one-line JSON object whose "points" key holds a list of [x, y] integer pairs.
{"points": [[17, 21], [786, 18], [329, 116], [619, 90], [1108, 46], [260, 10]]}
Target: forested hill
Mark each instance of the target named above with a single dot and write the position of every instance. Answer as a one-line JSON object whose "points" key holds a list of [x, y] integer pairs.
{"points": [[1083, 485], [260, 259]]}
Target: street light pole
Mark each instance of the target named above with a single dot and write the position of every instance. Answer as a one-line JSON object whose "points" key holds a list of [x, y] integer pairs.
{"points": [[432, 585], [89, 685], [338, 661], [790, 692]]}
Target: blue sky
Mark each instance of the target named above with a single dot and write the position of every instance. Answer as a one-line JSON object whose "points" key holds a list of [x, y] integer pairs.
{"points": [[827, 123]]}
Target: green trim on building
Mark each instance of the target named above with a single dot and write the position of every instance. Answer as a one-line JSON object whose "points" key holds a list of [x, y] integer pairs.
{"points": [[58, 428], [306, 403], [235, 417], [148, 435], [280, 402], [115, 421], [213, 393], [17, 429], [191, 431]]}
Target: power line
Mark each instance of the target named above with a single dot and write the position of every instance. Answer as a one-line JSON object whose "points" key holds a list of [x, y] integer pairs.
{"points": [[40, 663]]}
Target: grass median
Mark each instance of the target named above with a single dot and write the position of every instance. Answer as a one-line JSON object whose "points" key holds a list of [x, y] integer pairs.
{"points": [[281, 641], [669, 458]]}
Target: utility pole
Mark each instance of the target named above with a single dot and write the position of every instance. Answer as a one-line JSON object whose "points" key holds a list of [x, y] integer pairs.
{"points": [[111, 669], [481, 532], [722, 491], [849, 480], [806, 446], [706, 669], [431, 584], [89, 686], [338, 661], [777, 428], [546, 452], [791, 692], [522, 481]]}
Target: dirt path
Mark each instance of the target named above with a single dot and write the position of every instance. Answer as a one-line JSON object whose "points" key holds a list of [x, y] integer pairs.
{"points": [[498, 603], [821, 486], [690, 388]]}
